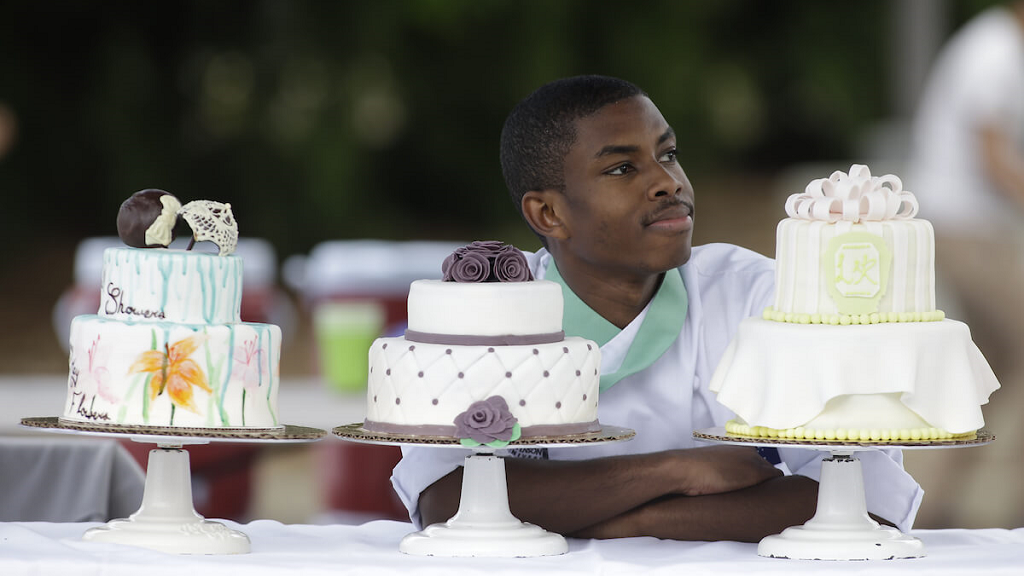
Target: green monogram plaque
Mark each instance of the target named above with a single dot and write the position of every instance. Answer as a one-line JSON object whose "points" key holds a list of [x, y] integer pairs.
{"points": [[856, 269]]}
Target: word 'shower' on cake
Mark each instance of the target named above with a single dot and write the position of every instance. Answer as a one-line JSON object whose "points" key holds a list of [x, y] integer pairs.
{"points": [[854, 348], [484, 357], [167, 346]]}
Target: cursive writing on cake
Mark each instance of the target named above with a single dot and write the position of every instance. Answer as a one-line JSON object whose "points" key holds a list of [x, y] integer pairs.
{"points": [[116, 305]]}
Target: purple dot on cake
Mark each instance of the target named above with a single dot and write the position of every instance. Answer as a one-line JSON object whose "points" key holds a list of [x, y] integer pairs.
{"points": [[420, 374], [584, 397], [522, 402], [577, 372], [384, 346], [565, 349], [558, 404], [588, 347], [388, 372], [490, 349], [411, 348], [374, 397], [448, 351], [535, 351], [398, 400], [434, 401], [546, 374], [508, 374], [461, 374]]}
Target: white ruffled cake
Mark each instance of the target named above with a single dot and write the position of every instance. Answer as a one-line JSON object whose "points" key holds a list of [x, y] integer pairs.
{"points": [[854, 347], [167, 347], [481, 343]]}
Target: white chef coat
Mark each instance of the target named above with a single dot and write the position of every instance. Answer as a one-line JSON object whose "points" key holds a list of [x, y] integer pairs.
{"points": [[665, 402]]}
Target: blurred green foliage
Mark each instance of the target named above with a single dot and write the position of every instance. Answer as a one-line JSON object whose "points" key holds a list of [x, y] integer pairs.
{"points": [[319, 120]]}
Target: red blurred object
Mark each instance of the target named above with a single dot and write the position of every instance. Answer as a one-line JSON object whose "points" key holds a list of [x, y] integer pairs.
{"points": [[221, 476]]}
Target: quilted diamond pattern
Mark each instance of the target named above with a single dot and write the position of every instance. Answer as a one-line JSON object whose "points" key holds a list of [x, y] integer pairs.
{"points": [[413, 383]]}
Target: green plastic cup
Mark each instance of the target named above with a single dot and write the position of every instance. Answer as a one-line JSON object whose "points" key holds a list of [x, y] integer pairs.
{"points": [[344, 332]]}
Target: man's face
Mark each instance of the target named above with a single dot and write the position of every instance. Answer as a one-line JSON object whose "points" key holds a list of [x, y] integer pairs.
{"points": [[630, 205]]}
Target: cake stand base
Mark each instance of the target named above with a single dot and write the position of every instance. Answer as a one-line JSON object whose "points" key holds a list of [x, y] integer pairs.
{"points": [[167, 521], [484, 525], [802, 543], [841, 528]]}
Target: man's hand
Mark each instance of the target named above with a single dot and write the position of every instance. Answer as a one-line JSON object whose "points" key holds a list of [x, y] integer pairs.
{"points": [[717, 469]]}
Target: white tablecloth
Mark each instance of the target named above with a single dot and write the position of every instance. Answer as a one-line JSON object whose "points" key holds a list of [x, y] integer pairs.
{"points": [[372, 549]]}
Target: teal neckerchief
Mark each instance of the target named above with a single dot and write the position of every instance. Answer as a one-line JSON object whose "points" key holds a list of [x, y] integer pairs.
{"points": [[659, 329]]}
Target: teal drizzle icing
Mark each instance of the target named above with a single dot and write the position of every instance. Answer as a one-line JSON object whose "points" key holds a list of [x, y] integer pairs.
{"points": [[166, 266], [270, 370], [214, 376], [145, 392], [122, 412], [227, 377], [208, 283]]}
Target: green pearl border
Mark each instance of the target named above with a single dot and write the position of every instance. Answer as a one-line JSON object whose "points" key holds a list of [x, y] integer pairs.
{"points": [[862, 435], [770, 313]]}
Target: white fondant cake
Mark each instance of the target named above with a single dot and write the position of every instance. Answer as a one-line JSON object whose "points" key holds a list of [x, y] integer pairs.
{"points": [[167, 347], [470, 342], [854, 348], [852, 248]]}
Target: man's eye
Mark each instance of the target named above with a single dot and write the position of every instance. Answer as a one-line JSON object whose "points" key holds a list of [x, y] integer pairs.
{"points": [[669, 156], [620, 170]]}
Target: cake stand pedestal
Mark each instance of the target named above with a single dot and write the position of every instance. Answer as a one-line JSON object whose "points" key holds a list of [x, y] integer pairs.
{"points": [[841, 528], [167, 520], [484, 525]]}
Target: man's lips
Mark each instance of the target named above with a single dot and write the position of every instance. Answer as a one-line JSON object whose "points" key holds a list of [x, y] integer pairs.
{"points": [[676, 218]]}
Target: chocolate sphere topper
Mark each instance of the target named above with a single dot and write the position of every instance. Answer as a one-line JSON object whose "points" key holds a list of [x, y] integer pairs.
{"points": [[147, 218]]}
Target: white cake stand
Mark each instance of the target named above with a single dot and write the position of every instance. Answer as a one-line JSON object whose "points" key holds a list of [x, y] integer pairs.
{"points": [[167, 520], [484, 526], [841, 528]]}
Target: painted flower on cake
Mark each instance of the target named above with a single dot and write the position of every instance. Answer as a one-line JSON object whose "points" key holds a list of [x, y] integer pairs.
{"points": [[249, 364], [172, 370], [97, 374]]}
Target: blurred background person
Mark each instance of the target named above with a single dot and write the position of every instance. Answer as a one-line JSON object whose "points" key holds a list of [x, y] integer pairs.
{"points": [[967, 167]]}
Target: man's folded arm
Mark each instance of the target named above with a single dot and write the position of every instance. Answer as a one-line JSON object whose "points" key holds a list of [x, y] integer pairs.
{"points": [[568, 496], [744, 515]]}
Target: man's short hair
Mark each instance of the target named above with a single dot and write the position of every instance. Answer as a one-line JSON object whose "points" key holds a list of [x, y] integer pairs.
{"points": [[541, 129]]}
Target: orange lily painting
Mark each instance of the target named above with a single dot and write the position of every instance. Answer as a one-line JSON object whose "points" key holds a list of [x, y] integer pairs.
{"points": [[172, 370]]}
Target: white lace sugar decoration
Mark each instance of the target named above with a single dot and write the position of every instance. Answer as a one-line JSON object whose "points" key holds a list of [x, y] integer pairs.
{"points": [[855, 197], [161, 230], [212, 221]]}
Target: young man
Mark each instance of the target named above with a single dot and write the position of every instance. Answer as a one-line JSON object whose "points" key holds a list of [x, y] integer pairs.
{"points": [[592, 165]]}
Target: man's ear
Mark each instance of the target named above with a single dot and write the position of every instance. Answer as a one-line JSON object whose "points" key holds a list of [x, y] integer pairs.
{"points": [[543, 212]]}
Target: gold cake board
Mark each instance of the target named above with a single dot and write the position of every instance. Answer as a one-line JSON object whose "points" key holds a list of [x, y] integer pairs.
{"points": [[284, 433], [357, 433]]}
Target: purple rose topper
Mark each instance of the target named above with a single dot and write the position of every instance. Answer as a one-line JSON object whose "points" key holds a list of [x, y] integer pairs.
{"points": [[487, 261], [487, 422]]}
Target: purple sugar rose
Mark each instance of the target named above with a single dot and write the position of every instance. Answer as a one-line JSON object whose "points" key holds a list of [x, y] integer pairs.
{"points": [[469, 267], [486, 261], [486, 421], [511, 266]]}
